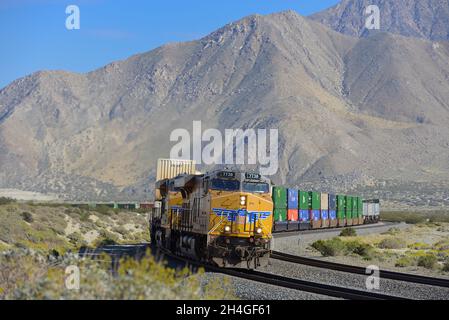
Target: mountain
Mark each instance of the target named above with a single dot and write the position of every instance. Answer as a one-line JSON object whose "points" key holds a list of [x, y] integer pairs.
{"points": [[350, 112], [428, 19]]}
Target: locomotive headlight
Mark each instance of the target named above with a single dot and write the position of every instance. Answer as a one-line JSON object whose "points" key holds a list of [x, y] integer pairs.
{"points": [[259, 230], [242, 200], [227, 229]]}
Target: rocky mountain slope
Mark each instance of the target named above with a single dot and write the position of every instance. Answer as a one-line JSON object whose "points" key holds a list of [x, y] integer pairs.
{"points": [[428, 19], [373, 109]]}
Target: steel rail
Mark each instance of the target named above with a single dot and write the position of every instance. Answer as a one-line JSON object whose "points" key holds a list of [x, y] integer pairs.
{"points": [[406, 277]]}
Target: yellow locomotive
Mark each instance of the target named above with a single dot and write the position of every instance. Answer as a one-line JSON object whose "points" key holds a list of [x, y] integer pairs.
{"points": [[223, 217]]}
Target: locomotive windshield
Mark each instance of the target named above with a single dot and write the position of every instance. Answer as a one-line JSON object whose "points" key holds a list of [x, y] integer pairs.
{"points": [[255, 187], [225, 185]]}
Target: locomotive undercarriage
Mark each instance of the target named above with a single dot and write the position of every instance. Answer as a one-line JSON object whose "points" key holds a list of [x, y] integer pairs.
{"points": [[222, 251]]}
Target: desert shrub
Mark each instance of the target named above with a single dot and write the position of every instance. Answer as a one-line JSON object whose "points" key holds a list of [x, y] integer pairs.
{"points": [[392, 243], [32, 277], [404, 261], [419, 246], [442, 245], [446, 266], [348, 232], [28, 217], [392, 231], [427, 261], [362, 249], [84, 216], [102, 209], [5, 200], [332, 247]]}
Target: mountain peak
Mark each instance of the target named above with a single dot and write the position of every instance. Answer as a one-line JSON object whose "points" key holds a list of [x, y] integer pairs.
{"points": [[427, 19]]}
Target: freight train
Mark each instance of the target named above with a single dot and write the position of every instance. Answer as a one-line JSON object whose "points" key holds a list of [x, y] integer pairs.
{"points": [[296, 210], [227, 217], [223, 217]]}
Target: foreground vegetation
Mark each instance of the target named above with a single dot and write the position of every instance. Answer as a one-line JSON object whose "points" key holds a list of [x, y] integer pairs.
{"points": [[39, 241], [26, 274], [422, 246], [48, 227]]}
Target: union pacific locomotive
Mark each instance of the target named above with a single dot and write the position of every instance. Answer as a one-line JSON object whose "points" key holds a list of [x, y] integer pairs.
{"points": [[223, 217]]}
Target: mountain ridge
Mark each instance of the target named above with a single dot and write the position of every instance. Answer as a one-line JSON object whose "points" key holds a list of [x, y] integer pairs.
{"points": [[98, 135]]}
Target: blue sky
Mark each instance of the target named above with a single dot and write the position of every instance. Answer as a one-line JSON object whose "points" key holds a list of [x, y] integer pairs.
{"points": [[33, 35]]}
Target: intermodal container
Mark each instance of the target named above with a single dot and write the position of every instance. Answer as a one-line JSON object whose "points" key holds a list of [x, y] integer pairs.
{"points": [[324, 206], [292, 215], [305, 205], [360, 207], [332, 202], [341, 210], [304, 200], [292, 199], [348, 207], [280, 214], [316, 205], [280, 197]]}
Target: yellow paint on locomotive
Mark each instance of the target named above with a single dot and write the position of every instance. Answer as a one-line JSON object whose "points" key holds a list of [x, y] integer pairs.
{"points": [[174, 203], [243, 220]]}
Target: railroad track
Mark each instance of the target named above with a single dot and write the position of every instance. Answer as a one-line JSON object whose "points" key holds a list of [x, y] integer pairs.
{"points": [[292, 283], [117, 252], [285, 234], [360, 270]]}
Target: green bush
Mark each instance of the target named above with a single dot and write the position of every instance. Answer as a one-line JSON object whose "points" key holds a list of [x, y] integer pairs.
{"points": [[392, 243], [362, 249], [446, 266], [4, 200], [348, 232], [28, 217], [427, 261], [332, 247], [405, 261], [103, 209]]}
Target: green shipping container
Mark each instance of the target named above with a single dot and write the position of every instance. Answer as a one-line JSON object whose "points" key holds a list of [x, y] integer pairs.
{"points": [[305, 202], [280, 197], [360, 206], [316, 200], [341, 211], [280, 214], [349, 207]]}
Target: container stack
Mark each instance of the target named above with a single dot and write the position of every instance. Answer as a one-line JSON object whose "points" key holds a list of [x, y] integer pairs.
{"points": [[305, 206], [292, 209], [315, 214], [325, 222], [341, 211], [349, 209], [280, 208], [333, 221]]}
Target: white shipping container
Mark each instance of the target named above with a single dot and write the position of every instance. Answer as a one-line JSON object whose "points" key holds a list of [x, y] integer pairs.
{"points": [[376, 209], [324, 201], [365, 209], [170, 168]]}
